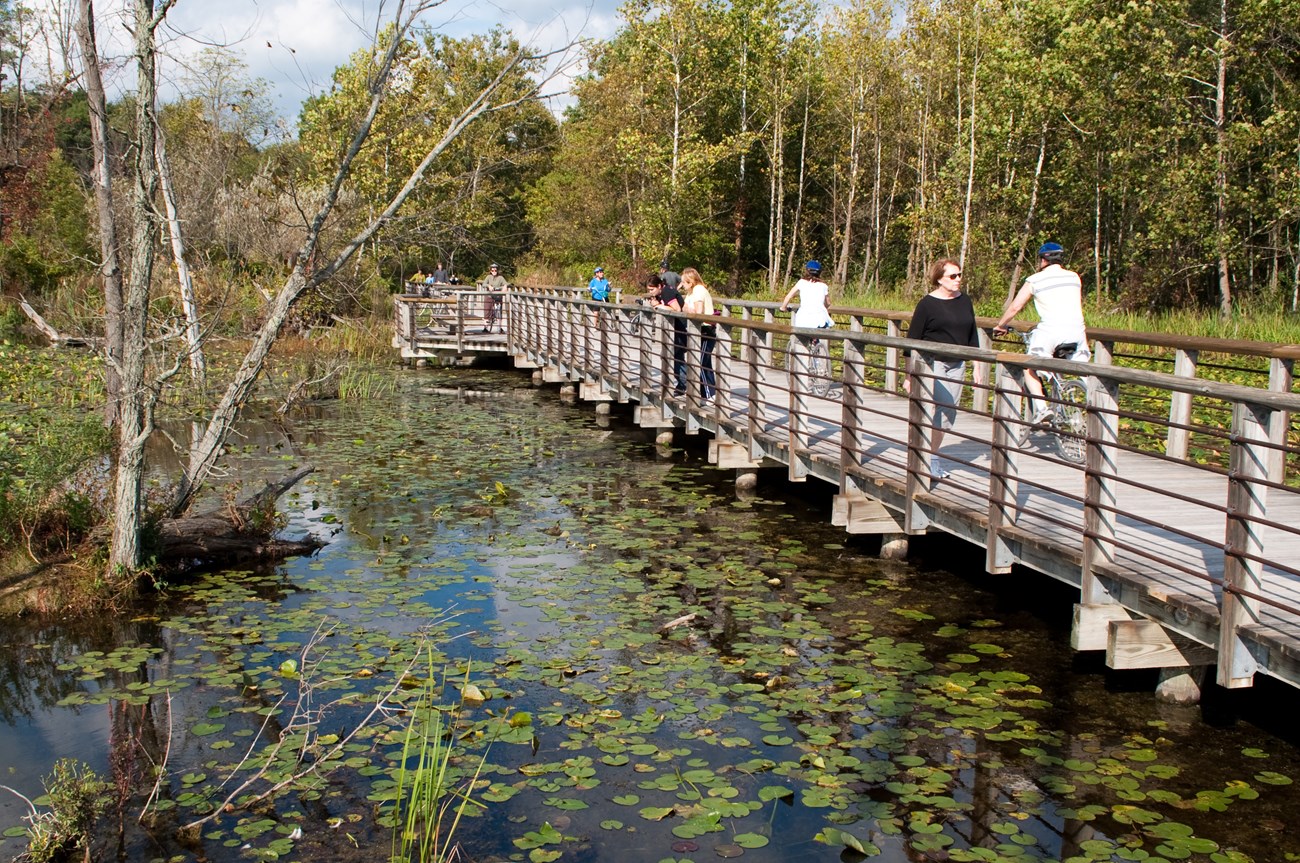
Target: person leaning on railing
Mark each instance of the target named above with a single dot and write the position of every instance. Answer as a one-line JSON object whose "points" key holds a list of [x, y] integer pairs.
{"points": [[944, 315], [1058, 298]]}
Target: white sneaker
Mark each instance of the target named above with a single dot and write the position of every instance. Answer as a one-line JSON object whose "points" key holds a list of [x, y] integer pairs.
{"points": [[1043, 415], [936, 472]]}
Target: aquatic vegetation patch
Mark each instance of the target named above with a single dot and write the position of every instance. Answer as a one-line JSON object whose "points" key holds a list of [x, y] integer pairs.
{"points": [[633, 655]]}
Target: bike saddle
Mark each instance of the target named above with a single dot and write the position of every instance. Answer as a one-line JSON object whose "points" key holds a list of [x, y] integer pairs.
{"points": [[1065, 350]]}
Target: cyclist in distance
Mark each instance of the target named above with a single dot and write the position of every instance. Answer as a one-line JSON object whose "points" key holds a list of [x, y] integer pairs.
{"points": [[1058, 298], [814, 299]]}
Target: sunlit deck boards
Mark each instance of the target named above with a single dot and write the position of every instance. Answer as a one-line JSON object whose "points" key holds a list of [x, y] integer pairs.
{"points": [[1159, 555]]}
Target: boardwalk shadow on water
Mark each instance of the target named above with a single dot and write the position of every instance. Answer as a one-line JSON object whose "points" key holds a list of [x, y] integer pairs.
{"points": [[689, 675]]}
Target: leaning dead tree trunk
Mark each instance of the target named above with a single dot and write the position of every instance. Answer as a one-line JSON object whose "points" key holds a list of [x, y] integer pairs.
{"points": [[204, 455]]}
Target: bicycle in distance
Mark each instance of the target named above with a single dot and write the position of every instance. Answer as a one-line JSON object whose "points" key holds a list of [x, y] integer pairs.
{"points": [[819, 367], [1065, 415]]}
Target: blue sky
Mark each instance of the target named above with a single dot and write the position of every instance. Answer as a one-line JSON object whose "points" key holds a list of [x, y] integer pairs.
{"points": [[295, 45]]}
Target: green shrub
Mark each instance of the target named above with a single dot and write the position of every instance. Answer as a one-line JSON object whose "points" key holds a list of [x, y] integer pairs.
{"points": [[76, 798]]}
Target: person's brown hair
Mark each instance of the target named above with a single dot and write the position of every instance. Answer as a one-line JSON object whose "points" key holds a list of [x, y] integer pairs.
{"points": [[935, 273]]}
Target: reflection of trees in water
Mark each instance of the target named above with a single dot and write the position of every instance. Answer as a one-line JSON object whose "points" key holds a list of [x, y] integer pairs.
{"points": [[30, 679]]}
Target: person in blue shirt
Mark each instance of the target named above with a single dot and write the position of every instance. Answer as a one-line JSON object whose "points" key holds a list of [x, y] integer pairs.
{"points": [[599, 286]]}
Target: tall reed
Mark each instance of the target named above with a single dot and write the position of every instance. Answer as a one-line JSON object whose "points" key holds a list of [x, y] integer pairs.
{"points": [[432, 793]]}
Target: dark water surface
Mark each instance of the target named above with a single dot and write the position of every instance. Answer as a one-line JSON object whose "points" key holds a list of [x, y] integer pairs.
{"points": [[808, 696]]}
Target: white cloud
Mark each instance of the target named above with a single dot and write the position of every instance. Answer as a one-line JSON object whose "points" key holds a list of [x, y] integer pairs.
{"points": [[295, 45]]}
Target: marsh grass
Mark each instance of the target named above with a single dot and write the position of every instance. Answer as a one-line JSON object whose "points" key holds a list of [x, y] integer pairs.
{"points": [[364, 383], [432, 792]]}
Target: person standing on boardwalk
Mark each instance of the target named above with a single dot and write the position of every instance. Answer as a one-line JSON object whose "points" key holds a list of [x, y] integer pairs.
{"points": [[944, 315], [700, 302], [599, 286], [439, 275], [1058, 298], [669, 278], [495, 284]]}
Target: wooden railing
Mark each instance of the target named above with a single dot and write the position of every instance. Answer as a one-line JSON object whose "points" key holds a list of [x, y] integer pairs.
{"points": [[1192, 505]]}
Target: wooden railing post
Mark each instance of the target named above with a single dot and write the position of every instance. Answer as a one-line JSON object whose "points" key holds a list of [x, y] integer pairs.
{"points": [[1103, 352], [981, 372], [1100, 501], [767, 346], [723, 362], [1180, 405], [894, 331], [1280, 375], [920, 437], [694, 348], [852, 439], [460, 322], [797, 370], [1243, 553], [409, 315], [758, 343], [1004, 482]]}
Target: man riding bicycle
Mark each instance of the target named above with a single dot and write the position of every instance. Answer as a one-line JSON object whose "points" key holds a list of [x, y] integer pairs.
{"points": [[1058, 298]]}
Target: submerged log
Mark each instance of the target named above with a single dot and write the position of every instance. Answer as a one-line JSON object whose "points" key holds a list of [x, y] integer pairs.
{"points": [[239, 532]]}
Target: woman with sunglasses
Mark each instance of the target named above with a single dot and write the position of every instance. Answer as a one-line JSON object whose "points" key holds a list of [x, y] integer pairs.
{"points": [[944, 315]]}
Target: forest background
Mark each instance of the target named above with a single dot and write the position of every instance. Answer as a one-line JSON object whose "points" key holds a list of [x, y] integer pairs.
{"points": [[1159, 142]]}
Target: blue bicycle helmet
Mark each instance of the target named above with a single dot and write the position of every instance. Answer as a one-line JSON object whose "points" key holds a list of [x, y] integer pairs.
{"points": [[813, 266], [1051, 251]]}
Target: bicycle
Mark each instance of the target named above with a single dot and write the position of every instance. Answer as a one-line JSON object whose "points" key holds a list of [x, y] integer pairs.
{"points": [[1067, 403], [819, 367]]}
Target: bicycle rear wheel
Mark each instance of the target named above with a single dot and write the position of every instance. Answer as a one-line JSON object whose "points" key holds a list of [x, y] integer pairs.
{"points": [[819, 368], [1070, 425]]}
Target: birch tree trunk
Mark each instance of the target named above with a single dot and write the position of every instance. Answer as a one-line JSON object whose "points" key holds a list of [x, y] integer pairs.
{"points": [[135, 411], [799, 194], [970, 172], [189, 304], [855, 156], [110, 268], [1221, 163], [1029, 214]]}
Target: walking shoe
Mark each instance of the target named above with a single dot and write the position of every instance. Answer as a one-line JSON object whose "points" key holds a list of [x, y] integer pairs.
{"points": [[937, 472], [1042, 416]]}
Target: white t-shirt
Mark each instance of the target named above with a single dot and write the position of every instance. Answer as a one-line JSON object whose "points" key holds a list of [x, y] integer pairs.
{"points": [[812, 305], [699, 294], [1058, 299]]}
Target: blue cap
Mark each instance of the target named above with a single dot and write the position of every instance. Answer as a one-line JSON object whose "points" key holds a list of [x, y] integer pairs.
{"points": [[813, 266], [1048, 249], [600, 269]]}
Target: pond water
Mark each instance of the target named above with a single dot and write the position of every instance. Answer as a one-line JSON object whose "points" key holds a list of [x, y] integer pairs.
{"points": [[667, 672]]}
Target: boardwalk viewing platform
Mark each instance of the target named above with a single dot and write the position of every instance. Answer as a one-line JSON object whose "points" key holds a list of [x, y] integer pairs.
{"points": [[1180, 528]]}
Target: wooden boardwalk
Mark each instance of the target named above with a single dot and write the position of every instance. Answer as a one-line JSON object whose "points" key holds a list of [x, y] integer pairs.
{"points": [[1185, 555]]}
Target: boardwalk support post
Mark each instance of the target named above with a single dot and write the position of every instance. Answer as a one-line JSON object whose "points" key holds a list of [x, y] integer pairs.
{"points": [[1248, 465], [1097, 607], [1004, 485]]}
